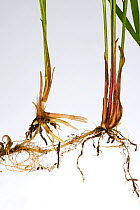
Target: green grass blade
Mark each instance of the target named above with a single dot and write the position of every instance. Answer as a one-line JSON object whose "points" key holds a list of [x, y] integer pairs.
{"points": [[136, 16], [105, 29], [125, 4], [122, 59], [46, 51], [128, 25], [113, 27]]}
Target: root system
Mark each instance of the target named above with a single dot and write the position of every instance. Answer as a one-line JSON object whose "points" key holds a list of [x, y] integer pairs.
{"points": [[114, 139], [28, 156]]}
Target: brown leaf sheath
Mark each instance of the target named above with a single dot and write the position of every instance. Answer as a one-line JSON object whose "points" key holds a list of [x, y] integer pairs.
{"points": [[105, 99], [49, 83], [112, 81]]}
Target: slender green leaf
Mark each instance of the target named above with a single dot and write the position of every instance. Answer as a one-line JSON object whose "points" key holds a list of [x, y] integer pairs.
{"points": [[44, 27], [113, 27], [125, 4], [128, 26], [135, 14], [46, 51], [122, 58], [105, 29]]}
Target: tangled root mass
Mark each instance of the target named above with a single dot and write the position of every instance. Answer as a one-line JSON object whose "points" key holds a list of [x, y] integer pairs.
{"points": [[27, 155]]}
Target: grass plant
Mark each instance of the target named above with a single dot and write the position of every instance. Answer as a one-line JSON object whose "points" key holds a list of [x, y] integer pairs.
{"points": [[107, 134], [27, 155], [30, 155]]}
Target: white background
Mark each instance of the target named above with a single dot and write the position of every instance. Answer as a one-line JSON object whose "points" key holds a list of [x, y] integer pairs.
{"points": [[75, 39]]}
